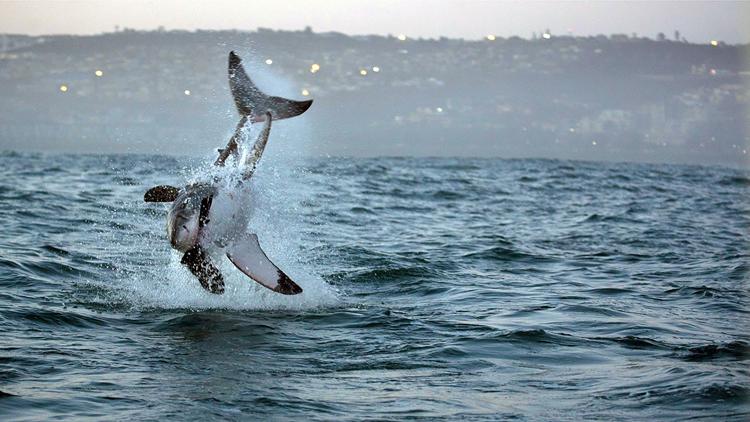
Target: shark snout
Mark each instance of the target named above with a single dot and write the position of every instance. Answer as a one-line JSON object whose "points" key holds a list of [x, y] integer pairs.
{"points": [[183, 233]]}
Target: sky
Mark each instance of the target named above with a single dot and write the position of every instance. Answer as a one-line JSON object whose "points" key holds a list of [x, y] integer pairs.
{"points": [[698, 21]]}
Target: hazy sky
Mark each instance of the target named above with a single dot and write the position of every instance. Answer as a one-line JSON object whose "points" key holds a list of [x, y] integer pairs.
{"points": [[698, 21]]}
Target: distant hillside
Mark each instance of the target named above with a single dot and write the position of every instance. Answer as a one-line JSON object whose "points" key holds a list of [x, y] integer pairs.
{"points": [[611, 98]]}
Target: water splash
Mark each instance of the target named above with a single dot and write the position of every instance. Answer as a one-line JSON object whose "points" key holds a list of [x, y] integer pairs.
{"points": [[272, 200], [173, 287]]}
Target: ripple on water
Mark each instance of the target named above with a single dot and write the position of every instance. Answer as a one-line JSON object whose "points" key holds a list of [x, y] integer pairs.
{"points": [[434, 288]]}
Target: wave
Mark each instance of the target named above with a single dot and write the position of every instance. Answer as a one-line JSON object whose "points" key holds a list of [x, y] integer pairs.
{"points": [[488, 287]]}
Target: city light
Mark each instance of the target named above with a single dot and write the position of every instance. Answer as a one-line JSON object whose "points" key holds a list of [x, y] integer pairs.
{"points": [[187, 92], [99, 73], [314, 68], [269, 61], [439, 109], [63, 88], [490, 37], [401, 37], [363, 72], [546, 35], [375, 69], [714, 43], [305, 93]]}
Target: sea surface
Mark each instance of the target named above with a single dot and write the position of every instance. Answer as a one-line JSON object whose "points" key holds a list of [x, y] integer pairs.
{"points": [[478, 289]]}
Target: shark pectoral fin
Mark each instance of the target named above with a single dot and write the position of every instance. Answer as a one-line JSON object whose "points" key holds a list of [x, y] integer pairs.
{"points": [[249, 258], [161, 193], [201, 266]]}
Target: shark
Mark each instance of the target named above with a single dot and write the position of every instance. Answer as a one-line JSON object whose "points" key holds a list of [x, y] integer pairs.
{"points": [[208, 217]]}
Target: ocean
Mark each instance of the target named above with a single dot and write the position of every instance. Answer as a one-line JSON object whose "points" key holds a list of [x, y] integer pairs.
{"points": [[478, 289]]}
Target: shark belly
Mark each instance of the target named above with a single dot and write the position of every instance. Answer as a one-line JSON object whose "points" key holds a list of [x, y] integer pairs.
{"points": [[227, 218]]}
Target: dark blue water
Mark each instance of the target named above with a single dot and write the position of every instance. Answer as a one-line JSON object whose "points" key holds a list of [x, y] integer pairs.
{"points": [[437, 288]]}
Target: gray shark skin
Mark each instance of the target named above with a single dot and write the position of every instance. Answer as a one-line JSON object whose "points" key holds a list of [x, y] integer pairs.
{"points": [[253, 103], [189, 221]]}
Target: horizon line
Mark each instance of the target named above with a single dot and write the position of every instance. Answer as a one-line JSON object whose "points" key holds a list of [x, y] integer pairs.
{"points": [[309, 29]]}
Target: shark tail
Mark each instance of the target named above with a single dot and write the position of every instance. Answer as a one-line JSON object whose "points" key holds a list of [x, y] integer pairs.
{"points": [[253, 103]]}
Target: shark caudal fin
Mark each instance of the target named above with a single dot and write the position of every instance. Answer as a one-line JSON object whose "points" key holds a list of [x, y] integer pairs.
{"points": [[251, 102]]}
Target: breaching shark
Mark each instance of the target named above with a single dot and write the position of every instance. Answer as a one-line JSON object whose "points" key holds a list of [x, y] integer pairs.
{"points": [[211, 214]]}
